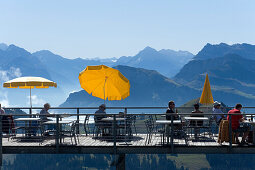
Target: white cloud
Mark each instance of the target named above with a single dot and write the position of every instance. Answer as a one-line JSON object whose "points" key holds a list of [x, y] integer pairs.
{"points": [[3, 76], [6, 75], [4, 99], [35, 100], [13, 72]]}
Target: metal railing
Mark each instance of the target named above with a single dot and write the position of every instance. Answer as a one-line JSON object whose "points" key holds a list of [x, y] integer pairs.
{"points": [[132, 126], [118, 132]]}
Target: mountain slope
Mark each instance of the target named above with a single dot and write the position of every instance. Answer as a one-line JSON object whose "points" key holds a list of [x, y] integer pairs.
{"points": [[148, 88], [229, 74]]}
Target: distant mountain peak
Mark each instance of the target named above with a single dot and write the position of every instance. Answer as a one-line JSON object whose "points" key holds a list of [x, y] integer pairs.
{"points": [[45, 52], [17, 51], [149, 49], [219, 50], [3, 46]]}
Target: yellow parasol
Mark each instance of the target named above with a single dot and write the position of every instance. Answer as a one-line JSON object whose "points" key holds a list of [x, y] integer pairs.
{"points": [[206, 97], [104, 82], [29, 83]]}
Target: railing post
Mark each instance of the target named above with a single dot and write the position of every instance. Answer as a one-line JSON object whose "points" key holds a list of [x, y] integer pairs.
{"points": [[230, 132], [114, 135], [172, 134], [1, 144], [57, 134], [78, 120]]}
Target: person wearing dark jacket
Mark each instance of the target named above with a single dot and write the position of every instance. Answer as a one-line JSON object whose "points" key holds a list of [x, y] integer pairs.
{"points": [[172, 111]]}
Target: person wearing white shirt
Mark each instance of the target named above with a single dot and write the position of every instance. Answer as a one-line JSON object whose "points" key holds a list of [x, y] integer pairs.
{"points": [[217, 111]]}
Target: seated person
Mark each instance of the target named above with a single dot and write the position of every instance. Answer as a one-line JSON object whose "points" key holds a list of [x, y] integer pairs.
{"points": [[99, 115], [7, 122], [172, 111], [236, 118], [196, 113], [44, 114], [217, 111]]}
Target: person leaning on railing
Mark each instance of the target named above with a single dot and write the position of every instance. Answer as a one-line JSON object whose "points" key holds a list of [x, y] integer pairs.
{"points": [[238, 127]]}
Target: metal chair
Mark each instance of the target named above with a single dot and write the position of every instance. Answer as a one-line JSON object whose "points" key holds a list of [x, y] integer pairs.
{"points": [[149, 129], [70, 133]]}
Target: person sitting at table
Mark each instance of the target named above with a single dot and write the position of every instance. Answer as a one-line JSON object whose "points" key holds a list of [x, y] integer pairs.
{"points": [[44, 114], [7, 122], [172, 111], [99, 115], [196, 113], [238, 128], [217, 111]]}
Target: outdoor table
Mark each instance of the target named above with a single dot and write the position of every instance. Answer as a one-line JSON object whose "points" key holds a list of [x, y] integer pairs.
{"points": [[27, 127], [111, 119], [61, 122], [168, 123], [196, 119]]}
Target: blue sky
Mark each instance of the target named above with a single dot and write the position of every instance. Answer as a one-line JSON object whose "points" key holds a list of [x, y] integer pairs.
{"points": [[113, 28]]}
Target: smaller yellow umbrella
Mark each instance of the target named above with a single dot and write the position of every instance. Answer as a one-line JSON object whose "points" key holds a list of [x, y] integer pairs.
{"points": [[206, 97], [29, 83]]}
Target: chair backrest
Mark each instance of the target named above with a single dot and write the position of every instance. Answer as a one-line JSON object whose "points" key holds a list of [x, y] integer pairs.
{"points": [[86, 120], [74, 126], [148, 125]]}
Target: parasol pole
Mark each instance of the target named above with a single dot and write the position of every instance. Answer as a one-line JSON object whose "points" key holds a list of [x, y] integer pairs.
{"points": [[104, 87], [30, 101]]}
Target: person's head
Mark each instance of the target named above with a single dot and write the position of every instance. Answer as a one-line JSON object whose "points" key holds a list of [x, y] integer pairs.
{"points": [[216, 104], [102, 107], [171, 104], [196, 106], [238, 106], [47, 106]]}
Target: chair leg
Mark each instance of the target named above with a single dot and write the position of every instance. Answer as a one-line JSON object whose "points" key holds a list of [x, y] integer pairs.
{"points": [[146, 139], [135, 129], [78, 139], [85, 129], [74, 139]]}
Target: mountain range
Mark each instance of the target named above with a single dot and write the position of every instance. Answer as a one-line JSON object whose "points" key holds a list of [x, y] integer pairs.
{"points": [[230, 69], [16, 62]]}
